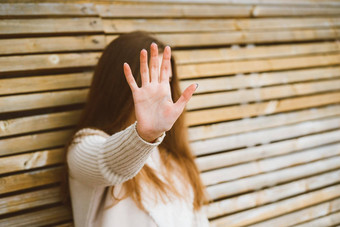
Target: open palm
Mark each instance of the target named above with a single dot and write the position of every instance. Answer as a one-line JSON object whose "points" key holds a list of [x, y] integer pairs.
{"points": [[154, 108]]}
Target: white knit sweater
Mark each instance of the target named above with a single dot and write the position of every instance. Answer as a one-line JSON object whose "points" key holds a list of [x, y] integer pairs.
{"points": [[97, 160]]}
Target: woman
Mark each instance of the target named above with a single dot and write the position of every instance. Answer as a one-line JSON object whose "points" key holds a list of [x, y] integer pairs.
{"points": [[129, 161]]}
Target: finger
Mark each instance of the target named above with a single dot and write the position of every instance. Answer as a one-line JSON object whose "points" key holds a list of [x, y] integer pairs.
{"points": [[185, 97], [166, 65], [154, 63], [129, 77], [144, 68]]}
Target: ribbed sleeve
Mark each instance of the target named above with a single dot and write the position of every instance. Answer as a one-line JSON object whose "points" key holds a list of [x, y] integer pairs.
{"points": [[100, 159]]}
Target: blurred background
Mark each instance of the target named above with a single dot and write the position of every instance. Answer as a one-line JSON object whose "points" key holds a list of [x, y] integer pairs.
{"points": [[264, 123]]}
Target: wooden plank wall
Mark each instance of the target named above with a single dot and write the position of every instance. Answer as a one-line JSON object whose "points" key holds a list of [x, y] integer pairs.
{"points": [[264, 123]]}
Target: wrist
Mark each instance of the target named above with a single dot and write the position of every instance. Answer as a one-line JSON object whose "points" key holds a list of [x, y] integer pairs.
{"points": [[148, 135]]}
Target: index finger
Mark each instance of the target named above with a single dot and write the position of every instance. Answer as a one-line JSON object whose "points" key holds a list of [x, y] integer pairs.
{"points": [[129, 77]]}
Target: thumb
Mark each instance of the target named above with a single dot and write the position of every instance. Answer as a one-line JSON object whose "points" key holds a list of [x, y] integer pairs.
{"points": [[185, 97]]}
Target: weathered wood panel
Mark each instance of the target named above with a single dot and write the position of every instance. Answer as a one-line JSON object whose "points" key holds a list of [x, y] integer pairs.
{"points": [[29, 200], [112, 26], [47, 9], [30, 179], [51, 44], [36, 218], [264, 123], [227, 38], [281, 207], [273, 194]]}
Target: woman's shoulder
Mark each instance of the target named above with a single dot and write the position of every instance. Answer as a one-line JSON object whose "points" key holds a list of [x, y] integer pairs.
{"points": [[85, 132]]}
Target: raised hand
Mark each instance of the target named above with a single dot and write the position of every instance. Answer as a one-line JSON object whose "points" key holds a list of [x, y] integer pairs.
{"points": [[154, 108]]}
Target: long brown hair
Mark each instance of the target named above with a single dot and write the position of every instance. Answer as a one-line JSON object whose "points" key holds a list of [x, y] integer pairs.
{"points": [[109, 107]]}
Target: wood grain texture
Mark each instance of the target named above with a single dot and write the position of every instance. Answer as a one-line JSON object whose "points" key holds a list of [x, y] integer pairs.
{"points": [[260, 122], [48, 61], [244, 37], [31, 179], [29, 200], [136, 10], [49, 26], [35, 123], [51, 44], [264, 123], [243, 96], [279, 208], [42, 100], [258, 80], [248, 52], [296, 217], [226, 68], [270, 195], [47, 216], [329, 220], [270, 11], [257, 167], [47, 9], [266, 136], [270, 179], [45, 83], [32, 142], [260, 109], [112, 26], [32, 160], [315, 3]]}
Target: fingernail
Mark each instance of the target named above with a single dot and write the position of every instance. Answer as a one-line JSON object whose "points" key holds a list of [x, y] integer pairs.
{"points": [[196, 86]]}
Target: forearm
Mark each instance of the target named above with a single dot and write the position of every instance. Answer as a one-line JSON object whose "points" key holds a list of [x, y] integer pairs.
{"points": [[111, 160]]}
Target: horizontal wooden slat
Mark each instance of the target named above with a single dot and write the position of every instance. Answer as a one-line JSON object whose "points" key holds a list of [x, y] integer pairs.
{"points": [[224, 68], [34, 142], [45, 83], [272, 11], [249, 110], [256, 80], [272, 178], [45, 217], [224, 38], [39, 122], [330, 220], [136, 10], [30, 180], [198, 25], [50, 26], [261, 94], [252, 52], [68, 224], [51, 44], [42, 100], [265, 151], [48, 61], [270, 164], [46, 9], [268, 150], [265, 136], [31, 160], [303, 215], [252, 124], [279, 208], [273, 194], [29, 200], [249, 2]]}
